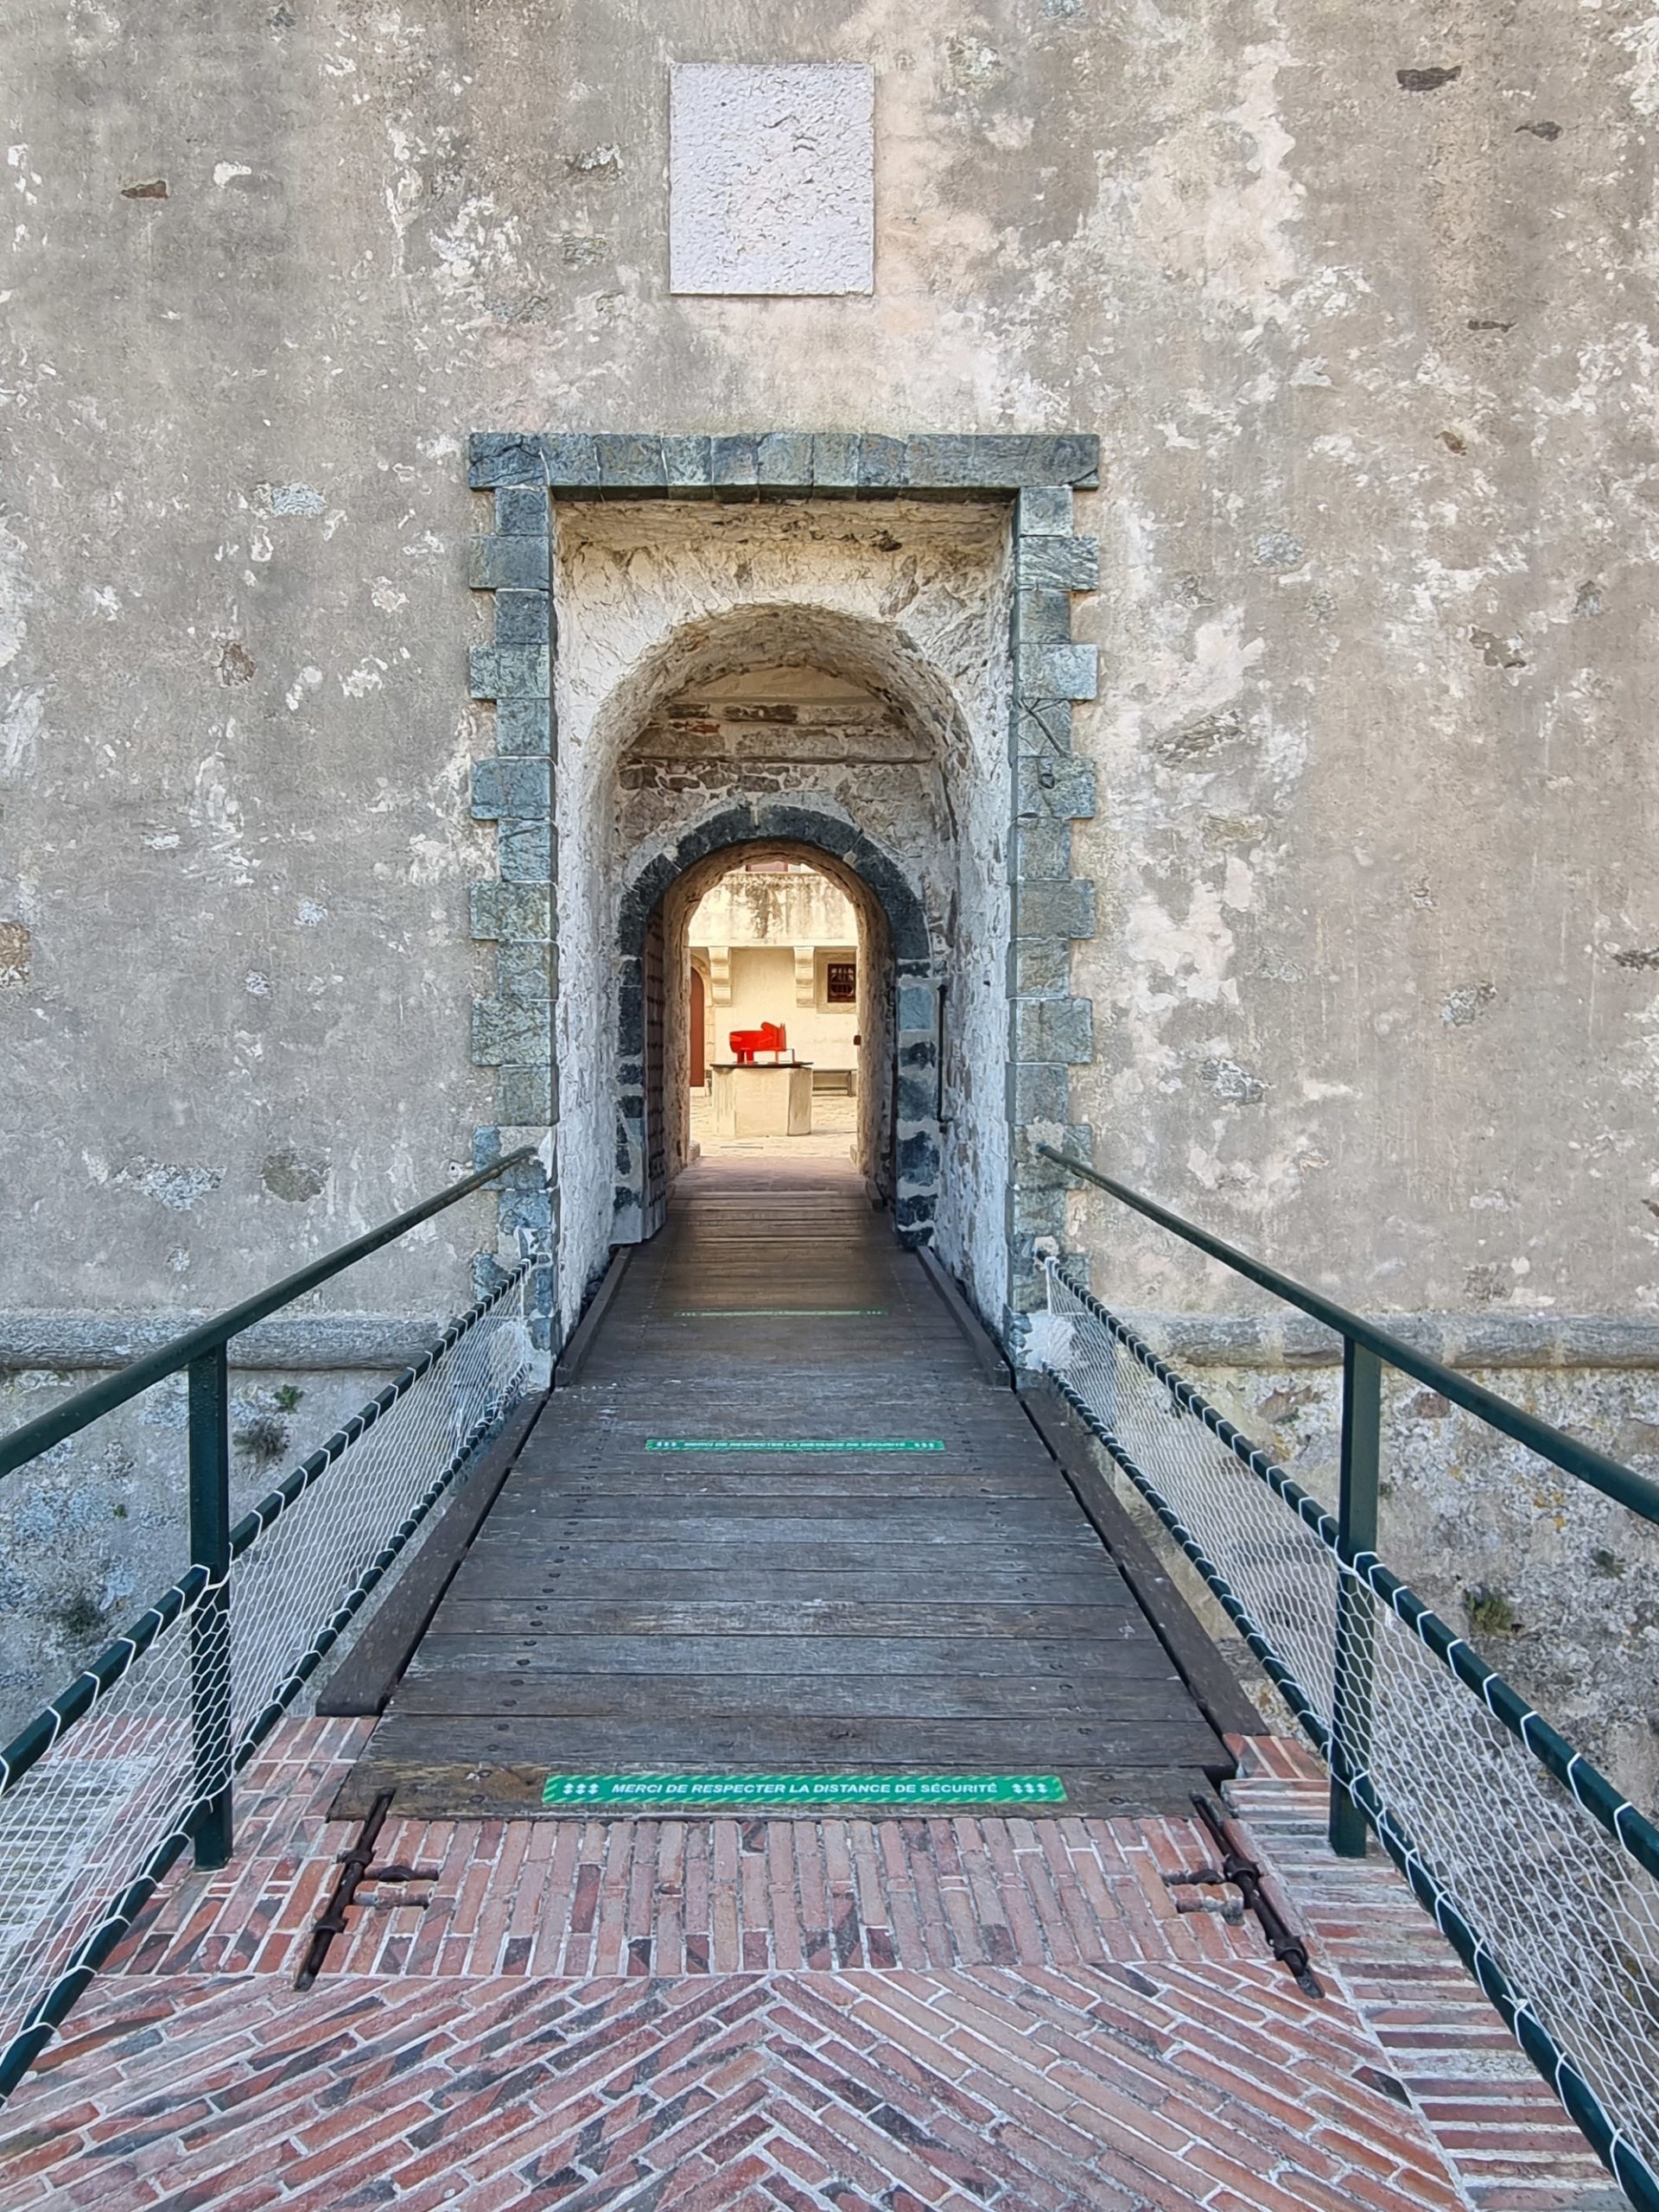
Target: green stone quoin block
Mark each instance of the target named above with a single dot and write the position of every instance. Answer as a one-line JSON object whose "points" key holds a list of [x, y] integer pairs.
{"points": [[521, 510], [1054, 909], [1056, 563], [511, 914], [523, 726], [514, 784], [1041, 726], [521, 617], [1044, 511], [1043, 851], [785, 458], [1041, 968], [789, 1790], [509, 671], [510, 1030], [1059, 671], [685, 463], [1041, 617], [1064, 789], [1038, 1092], [1061, 1029], [524, 851], [525, 971], [502, 564], [526, 1095]]}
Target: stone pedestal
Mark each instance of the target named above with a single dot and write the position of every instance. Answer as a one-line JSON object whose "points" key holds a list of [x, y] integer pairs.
{"points": [[762, 1101]]}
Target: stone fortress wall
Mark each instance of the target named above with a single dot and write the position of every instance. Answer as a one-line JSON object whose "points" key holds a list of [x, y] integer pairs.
{"points": [[1359, 305]]}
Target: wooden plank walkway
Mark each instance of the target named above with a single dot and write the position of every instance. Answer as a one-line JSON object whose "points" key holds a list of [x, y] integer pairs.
{"points": [[944, 1611]]}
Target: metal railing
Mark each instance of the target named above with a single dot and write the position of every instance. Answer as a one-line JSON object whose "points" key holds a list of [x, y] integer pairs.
{"points": [[138, 1758], [1541, 1874]]}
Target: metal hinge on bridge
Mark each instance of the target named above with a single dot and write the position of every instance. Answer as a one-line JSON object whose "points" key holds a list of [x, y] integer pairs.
{"points": [[357, 1868], [1241, 1871]]}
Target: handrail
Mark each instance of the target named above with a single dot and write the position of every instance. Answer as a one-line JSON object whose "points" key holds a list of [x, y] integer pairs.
{"points": [[1601, 1472], [39, 1435]]}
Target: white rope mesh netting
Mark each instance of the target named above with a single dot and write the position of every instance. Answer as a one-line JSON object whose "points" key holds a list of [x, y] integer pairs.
{"points": [[1570, 1917], [90, 1815]]}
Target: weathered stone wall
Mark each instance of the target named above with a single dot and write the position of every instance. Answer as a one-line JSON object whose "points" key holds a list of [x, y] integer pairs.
{"points": [[1372, 363]]}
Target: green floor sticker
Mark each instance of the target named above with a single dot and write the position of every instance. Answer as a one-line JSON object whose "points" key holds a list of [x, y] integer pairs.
{"points": [[791, 1790], [776, 1313], [793, 1444]]}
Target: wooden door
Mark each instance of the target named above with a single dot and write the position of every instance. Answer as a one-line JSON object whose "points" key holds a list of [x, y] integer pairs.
{"points": [[656, 1192], [698, 1073]]}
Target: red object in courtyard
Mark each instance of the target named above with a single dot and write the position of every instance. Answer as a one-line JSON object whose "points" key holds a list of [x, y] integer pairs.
{"points": [[746, 1043]]}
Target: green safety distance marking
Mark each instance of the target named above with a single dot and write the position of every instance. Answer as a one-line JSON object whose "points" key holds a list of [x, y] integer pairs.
{"points": [[794, 1789], [776, 1313], [793, 1444]]}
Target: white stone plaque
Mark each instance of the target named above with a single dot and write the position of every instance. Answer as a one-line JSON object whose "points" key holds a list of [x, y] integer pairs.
{"points": [[772, 177]]}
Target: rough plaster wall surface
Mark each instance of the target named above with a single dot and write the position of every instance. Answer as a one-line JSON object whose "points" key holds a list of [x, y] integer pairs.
{"points": [[772, 177], [1373, 370], [1376, 564], [907, 599]]}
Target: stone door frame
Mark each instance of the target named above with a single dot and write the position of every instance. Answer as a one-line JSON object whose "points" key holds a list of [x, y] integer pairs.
{"points": [[1051, 1031]]}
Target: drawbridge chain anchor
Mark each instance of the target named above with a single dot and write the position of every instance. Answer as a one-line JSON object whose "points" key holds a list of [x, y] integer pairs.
{"points": [[1241, 1871], [356, 1867]]}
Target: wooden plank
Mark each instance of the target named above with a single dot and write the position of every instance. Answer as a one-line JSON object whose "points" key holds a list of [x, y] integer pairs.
{"points": [[529, 1578], [574, 1358], [1216, 1689], [364, 1681], [654, 1698], [522, 1655], [807, 1615], [988, 1353], [802, 1491], [781, 1743], [796, 1546], [725, 1521]]}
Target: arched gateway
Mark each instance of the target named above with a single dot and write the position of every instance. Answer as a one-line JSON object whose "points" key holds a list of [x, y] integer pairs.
{"points": [[855, 651], [900, 1141]]}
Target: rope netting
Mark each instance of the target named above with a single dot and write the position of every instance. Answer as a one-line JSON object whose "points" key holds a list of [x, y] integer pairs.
{"points": [[99, 1794], [1530, 1860]]}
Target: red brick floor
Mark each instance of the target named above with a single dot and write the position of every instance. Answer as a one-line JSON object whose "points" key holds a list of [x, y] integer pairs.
{"points": [[806, 2013]]}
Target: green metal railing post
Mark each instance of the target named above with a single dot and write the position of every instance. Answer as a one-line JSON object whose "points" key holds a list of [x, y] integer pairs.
{"points": [[210, 1626], [1356, 1656]]}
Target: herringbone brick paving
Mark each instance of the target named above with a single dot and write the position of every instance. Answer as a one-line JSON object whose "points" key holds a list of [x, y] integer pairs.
{"points": [[1511, 2144], [751, 2014]]}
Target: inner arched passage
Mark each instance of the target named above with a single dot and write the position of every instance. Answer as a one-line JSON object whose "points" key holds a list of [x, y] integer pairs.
{"points": [[899, 1143], [843, 663]]}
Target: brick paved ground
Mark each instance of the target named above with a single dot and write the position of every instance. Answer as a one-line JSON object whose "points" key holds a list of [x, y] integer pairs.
{"points": [[800, 2014], [1512, 2146]]}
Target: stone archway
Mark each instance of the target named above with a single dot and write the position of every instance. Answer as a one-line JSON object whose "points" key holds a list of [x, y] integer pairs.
{"points": [[936, 570], [901, 1137]]}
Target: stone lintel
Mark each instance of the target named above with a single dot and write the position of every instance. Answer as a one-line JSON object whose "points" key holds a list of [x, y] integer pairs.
{"points": [[794, 463]]}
